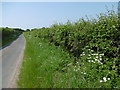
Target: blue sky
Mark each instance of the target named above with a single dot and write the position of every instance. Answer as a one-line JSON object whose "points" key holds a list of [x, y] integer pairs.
{"points": [[43, 14]]}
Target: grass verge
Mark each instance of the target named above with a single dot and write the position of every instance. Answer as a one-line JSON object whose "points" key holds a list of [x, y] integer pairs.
{"points": [[41, 65], [48, 66]]}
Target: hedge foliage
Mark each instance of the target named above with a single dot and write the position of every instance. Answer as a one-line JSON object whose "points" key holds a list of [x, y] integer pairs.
{"points": [[93, 41]]}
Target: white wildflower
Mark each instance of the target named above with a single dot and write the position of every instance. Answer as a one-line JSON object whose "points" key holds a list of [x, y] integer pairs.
{"points": [[91, 50], [108, 78], [84, 73], [88, 60], [89, 55], [101, 63], [100, 59], [92, 61], [76, 70], [97, 57], [95, 54], [102, 54], [101, 80], [83, 54], [104, 78], [77, 62]]}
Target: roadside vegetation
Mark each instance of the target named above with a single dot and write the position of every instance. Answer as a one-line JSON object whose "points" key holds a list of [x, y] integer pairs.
{"points": [[8, 35], [83, 54]]}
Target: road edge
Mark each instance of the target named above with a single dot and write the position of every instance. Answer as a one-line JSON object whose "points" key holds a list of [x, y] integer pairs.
{"points": [[18, 67]]}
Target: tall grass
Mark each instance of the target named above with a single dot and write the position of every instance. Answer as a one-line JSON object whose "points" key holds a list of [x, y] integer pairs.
{"points": [[42, 64]]}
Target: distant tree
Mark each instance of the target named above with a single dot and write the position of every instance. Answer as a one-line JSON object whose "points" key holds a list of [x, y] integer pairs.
{"points": [[34, 29], [43, 27], [27, 29], [18, 29], [68, 22]]}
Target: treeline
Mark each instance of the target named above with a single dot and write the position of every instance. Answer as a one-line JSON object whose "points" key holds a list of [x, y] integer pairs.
{"points": [[94, 42], [9, 34]]}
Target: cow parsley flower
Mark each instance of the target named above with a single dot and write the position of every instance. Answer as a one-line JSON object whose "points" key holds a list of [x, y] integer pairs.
{"points": [[100, 58], [108, 78], [104, 78], [97, 57], [101, 80]]}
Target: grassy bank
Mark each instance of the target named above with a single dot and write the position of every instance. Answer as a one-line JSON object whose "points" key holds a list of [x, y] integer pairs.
{"points": [[8, 35], [44, 65], [83, 54]]}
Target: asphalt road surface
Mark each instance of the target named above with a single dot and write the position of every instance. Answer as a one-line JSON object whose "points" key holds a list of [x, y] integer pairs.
{"points": [[11, 56]]}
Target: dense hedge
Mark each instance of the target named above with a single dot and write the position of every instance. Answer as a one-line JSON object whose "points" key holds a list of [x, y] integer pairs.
{"points": [[90, 41]]}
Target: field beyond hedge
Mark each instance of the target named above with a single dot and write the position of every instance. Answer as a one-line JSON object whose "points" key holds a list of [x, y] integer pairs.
{"points": [[91, 56]]}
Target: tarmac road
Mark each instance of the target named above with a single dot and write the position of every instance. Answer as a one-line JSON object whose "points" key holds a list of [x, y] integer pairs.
{"points": [[11, 56]]}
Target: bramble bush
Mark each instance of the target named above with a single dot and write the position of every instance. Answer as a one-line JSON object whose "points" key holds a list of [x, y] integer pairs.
{"points": [[94, 43]]}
